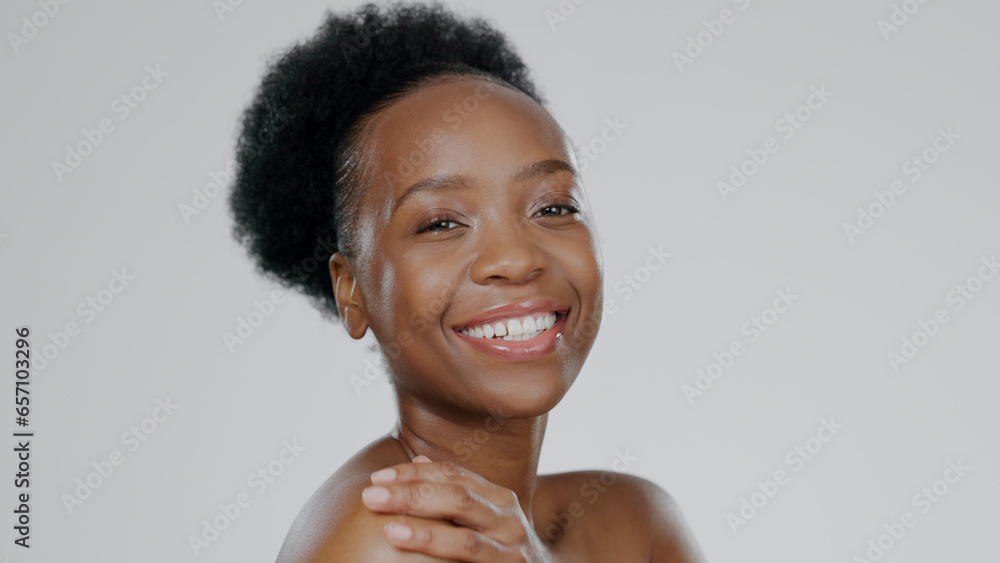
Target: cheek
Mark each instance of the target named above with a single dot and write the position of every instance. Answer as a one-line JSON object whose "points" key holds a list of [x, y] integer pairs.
{"points": [[382, 280], [418, 296], [584, 269], [415, 303], [585, 266], [393, 312]]}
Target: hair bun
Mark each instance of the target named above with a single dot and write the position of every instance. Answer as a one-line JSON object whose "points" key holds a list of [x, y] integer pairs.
{"points": [[295, 131]]}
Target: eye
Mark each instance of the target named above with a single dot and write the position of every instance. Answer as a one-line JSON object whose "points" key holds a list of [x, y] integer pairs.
{"points": [[558, 209], [437, 223]]}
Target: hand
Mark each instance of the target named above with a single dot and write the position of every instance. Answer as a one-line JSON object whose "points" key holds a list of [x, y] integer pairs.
{"points": [[479, 521]]}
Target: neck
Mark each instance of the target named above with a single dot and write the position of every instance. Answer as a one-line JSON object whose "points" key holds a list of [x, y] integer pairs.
{"points": [[502, 450]]}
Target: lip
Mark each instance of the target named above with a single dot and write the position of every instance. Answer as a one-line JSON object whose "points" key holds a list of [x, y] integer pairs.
{"points": [[523, 350], [515, 310]]}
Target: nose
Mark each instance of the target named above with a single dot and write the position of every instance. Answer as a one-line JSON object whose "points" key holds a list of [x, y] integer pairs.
{"points": [[508, 253]]}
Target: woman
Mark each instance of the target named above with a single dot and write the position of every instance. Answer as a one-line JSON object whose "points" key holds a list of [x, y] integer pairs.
{"points": [[461, 237]]}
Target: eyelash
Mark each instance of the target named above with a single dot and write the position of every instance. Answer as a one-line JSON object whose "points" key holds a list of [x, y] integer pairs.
{"points": [[439, 219]]}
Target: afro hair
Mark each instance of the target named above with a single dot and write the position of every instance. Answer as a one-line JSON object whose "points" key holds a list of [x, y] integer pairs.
{"points": [[294, 197]]}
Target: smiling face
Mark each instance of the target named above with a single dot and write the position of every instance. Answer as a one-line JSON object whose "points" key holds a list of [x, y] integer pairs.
{"points": [[474, 217]]}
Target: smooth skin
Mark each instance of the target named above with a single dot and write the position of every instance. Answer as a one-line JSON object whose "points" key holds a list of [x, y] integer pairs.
{"points": [[474, 201]]}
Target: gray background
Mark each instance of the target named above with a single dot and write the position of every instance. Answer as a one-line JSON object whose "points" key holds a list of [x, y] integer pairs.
{"points": [[655, 185]]}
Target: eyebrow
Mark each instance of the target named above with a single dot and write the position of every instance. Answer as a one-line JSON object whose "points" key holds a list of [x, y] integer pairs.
{"points": [[461, 182]]}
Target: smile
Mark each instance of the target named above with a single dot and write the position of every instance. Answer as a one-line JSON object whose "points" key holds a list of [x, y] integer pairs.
{"points": [[519, 338], [516, 329]]}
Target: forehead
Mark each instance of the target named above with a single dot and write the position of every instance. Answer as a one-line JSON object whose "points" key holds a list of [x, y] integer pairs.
{"points": [[463, 127]]}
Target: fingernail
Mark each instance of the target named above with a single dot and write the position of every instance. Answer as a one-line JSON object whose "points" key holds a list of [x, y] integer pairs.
{"points": [[399, 532], [422, 459], [376, 495], [383, 475]]}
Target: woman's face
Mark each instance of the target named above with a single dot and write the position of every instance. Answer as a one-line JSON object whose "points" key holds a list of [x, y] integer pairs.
{"points": [[475, 204]]}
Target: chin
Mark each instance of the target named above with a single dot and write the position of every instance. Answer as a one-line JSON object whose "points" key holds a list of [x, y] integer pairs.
{"points": [[530, 395]]}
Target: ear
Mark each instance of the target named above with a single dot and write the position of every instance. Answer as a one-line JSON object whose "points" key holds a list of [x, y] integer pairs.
{"points": [[350, 301]]}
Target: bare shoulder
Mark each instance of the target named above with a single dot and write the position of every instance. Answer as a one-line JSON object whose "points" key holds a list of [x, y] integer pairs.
{"points": [[334, 525], [638, 514], [672, 539]]}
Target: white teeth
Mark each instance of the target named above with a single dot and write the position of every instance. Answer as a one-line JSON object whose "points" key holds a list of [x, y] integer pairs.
{"points": [[542, 321], [513, 329]]}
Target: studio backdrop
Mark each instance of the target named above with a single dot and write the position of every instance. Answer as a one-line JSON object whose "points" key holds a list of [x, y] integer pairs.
{"points": [[799, 215]]}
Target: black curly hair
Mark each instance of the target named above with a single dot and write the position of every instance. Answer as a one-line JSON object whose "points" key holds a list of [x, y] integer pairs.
{"points": [[300, 152]]}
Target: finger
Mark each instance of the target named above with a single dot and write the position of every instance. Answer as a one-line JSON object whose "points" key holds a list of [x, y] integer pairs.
{"points": [[421, 468], [441, 540], [452, 503], [441, 472], [445, 472], [436, 501], [396, 472]]}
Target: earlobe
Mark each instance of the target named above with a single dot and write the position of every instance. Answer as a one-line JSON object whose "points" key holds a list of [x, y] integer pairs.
{"points": [[354, 322], [350, 302]]}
